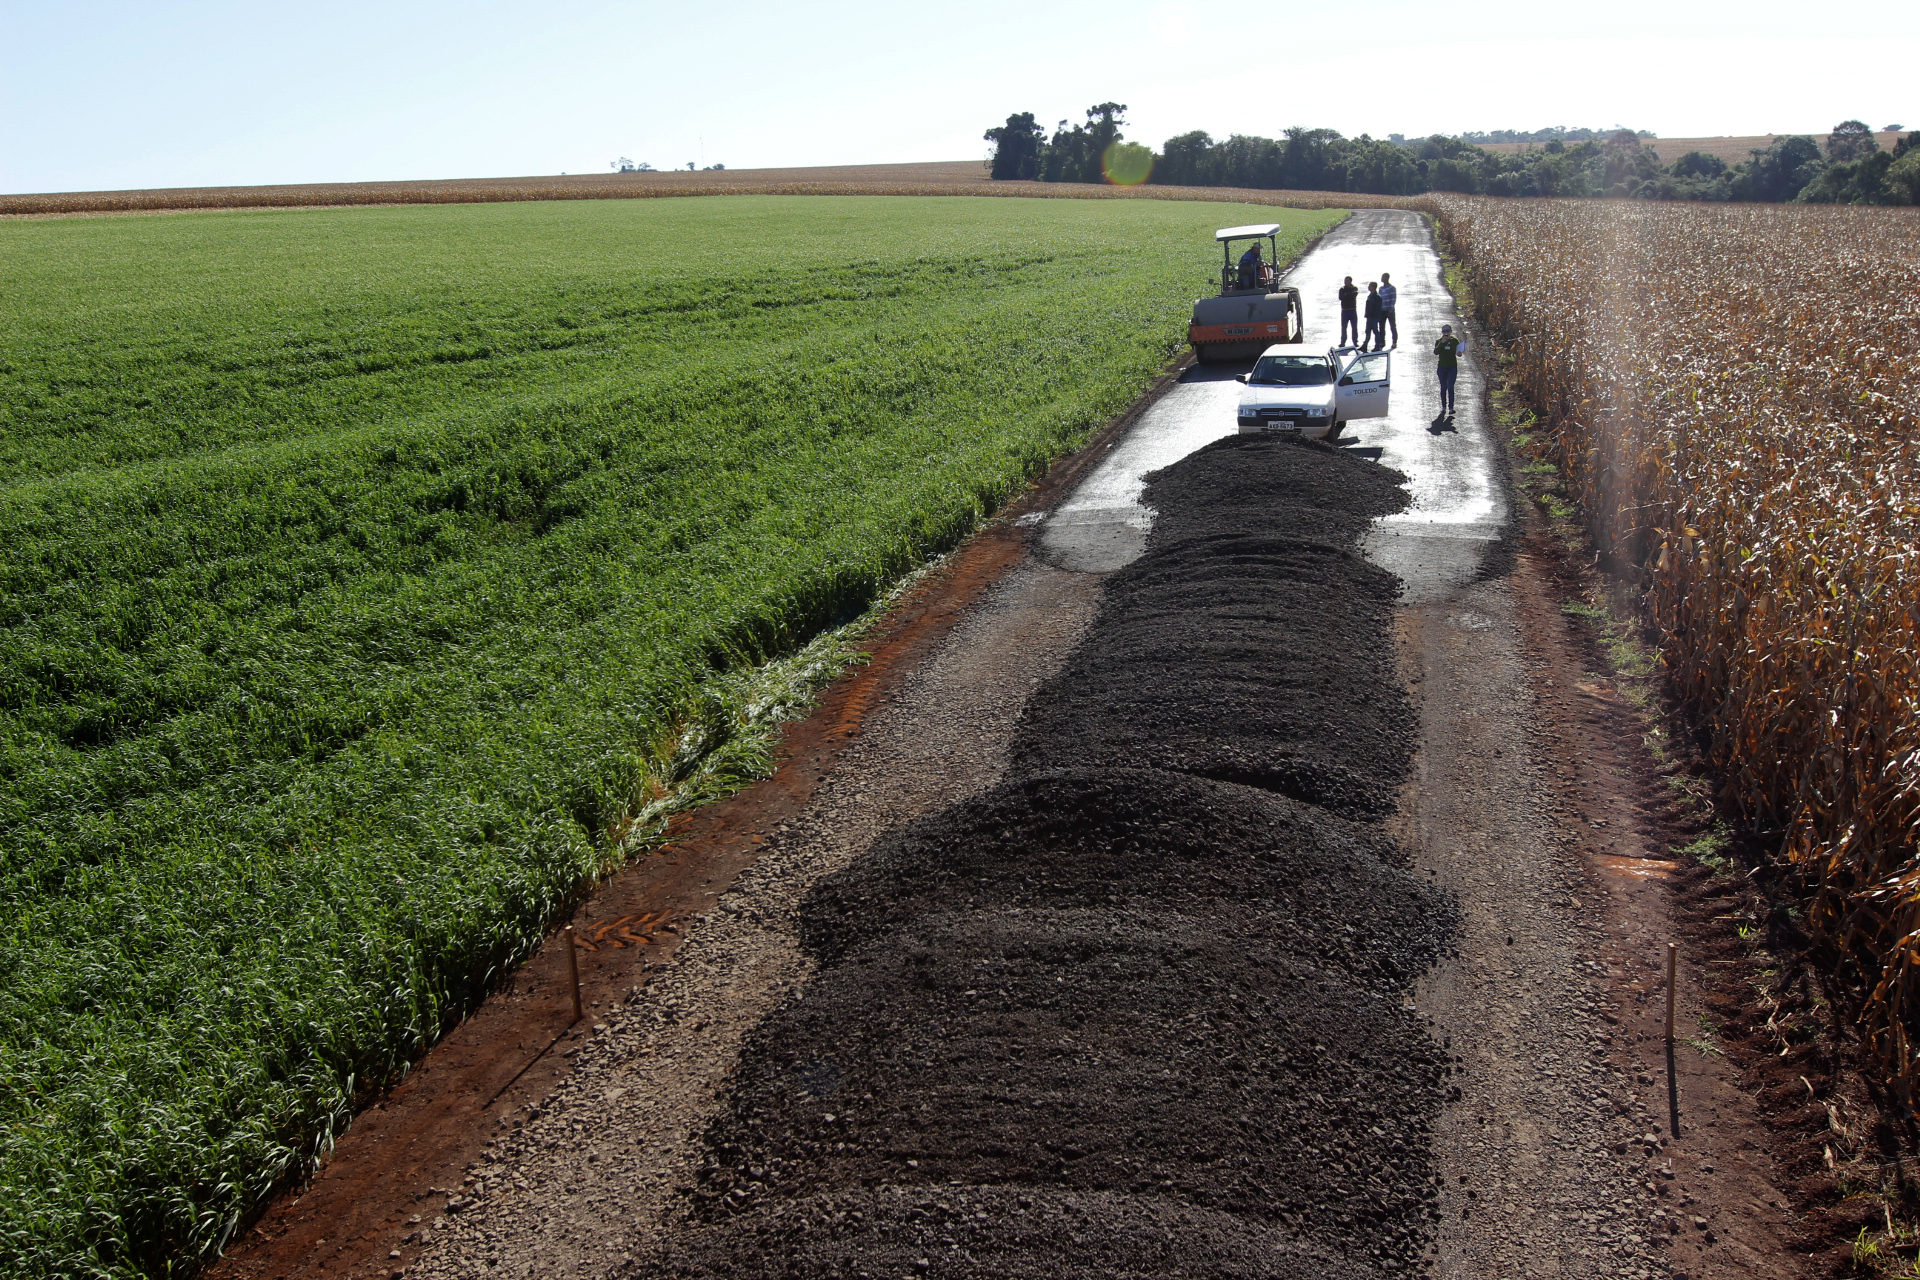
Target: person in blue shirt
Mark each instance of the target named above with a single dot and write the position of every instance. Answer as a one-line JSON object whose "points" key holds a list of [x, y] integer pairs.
{"points": [[1388, 296], [1250, 266]]}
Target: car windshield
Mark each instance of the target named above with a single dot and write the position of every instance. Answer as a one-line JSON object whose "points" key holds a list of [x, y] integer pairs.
{"points": [[1292, 371]]}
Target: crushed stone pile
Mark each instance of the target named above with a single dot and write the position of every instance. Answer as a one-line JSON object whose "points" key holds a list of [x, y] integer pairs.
{"points": [[1301, 489], [1097, 1049], [1140, 1010]]}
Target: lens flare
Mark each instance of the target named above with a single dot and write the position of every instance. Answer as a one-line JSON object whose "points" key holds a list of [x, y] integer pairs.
{"points": [[1127, 164]]}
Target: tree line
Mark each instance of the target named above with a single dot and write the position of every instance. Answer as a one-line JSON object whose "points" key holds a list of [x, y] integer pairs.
{"points": [[1850, 168]]}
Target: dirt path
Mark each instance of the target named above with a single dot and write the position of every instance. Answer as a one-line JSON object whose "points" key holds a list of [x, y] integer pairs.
{"points": [[1566, 1154], [1557, 1150]]}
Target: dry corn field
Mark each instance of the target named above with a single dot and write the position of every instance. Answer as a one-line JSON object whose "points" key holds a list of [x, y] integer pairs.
{"points": [[956, 178], [1733, 395]]}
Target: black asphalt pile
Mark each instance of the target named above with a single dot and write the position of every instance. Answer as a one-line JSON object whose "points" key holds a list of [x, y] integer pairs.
{"points": [[1094, 1049], [952, 1233], [1300, 489], [1140, 1010], [1254, 864], [1250, 642]]}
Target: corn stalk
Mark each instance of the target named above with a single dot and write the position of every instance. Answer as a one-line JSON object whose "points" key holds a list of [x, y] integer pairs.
{"points": [[1732, 394]]}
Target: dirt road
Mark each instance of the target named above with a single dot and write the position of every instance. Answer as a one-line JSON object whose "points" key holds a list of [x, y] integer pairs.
{"points": [[1557, 1143]]}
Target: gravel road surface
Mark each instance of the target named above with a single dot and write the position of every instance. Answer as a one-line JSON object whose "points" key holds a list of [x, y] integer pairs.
{"points": [[1524, 1166]]}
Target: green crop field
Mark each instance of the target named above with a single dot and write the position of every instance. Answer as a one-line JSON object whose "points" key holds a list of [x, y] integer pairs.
{"points": [[366, 570]]}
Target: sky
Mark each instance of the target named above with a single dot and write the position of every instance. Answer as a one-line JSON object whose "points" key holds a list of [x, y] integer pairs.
{"points": [[111, 94]]}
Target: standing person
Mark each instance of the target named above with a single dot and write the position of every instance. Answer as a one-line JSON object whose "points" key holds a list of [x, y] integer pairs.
{"points": [[1447, 351], [1376, 333], [1250, 267], [1349, 312], [1388, 297]]}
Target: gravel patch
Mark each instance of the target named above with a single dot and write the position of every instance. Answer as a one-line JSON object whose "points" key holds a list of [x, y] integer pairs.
{"points": [[1552, 1158], [1090, 1050], [1016, 1234], [1259, 866], [1303, 489]]}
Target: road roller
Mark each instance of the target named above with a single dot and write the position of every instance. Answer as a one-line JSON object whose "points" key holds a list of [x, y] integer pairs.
{"points": [[1252, 311]]}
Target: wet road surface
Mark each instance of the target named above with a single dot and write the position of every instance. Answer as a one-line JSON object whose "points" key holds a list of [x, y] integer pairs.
{"points": [[1457, 511], [1102, 526]]}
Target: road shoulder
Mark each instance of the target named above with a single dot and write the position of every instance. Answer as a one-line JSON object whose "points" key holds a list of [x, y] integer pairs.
{"points": [[1567, 1153]]}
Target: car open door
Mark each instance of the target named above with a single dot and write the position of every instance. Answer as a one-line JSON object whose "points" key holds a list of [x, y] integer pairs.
{"points": [[1364, 384]]}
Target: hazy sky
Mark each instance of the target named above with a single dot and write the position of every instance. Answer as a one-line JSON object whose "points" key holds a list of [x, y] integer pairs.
{"points": [[108, 93]]}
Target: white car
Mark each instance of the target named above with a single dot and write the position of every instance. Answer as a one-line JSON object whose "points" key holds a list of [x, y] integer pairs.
{"points": [[1296, 390]]}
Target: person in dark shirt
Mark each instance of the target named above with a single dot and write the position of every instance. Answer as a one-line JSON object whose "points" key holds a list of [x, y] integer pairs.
{"points": [[1349, 311], [1376, 326], [1447, 351], [1250, 267]]}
